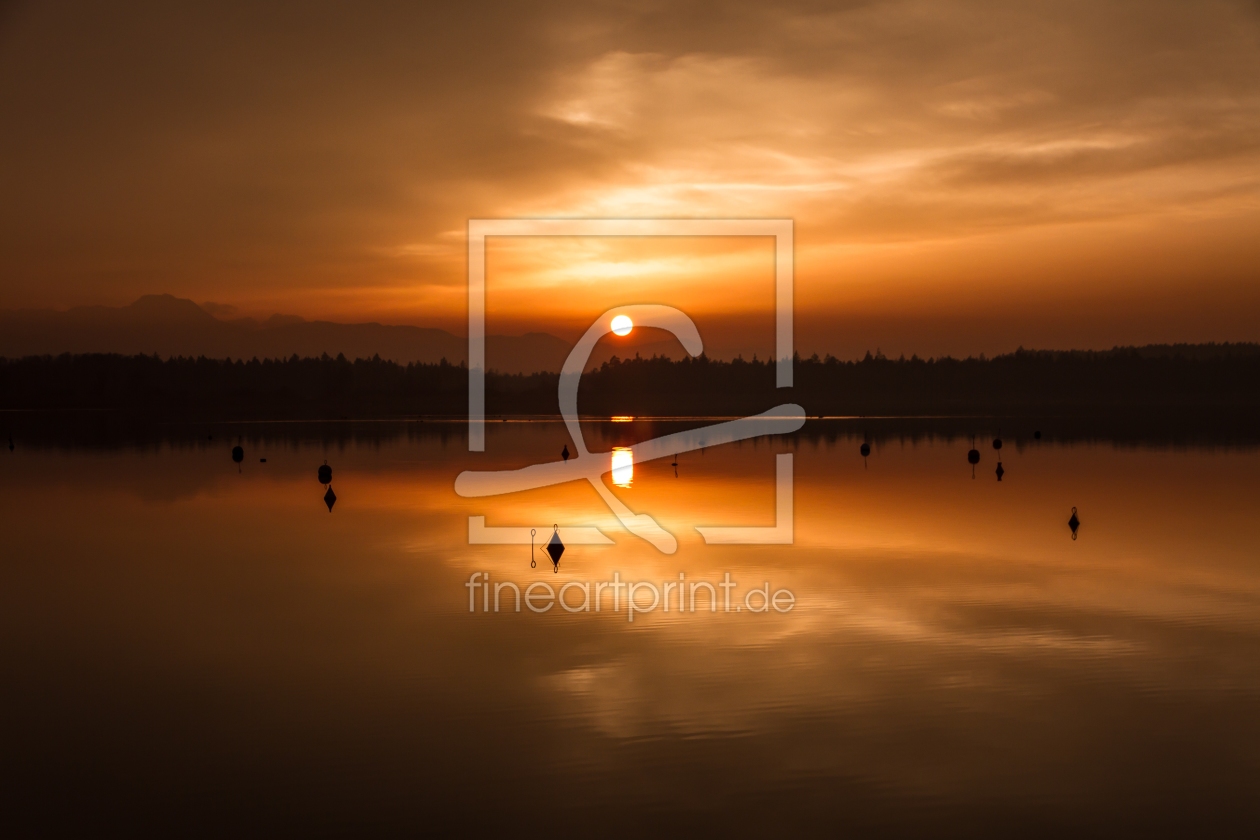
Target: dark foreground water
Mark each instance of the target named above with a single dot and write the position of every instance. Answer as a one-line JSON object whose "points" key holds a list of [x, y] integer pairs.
{"points": [[189, 649]]}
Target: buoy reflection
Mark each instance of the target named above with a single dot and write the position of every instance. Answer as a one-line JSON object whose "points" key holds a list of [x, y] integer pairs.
{"points": [[622, 466]]}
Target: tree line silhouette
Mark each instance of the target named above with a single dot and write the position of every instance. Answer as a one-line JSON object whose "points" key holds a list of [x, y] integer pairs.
{"points": [[1173, 376]]}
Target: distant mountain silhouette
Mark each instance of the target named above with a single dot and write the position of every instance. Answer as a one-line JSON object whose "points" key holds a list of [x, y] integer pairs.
{"points": [[171, 326]]}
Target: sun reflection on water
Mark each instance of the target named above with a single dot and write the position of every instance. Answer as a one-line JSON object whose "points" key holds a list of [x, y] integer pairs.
{"points": [[622, 466]]}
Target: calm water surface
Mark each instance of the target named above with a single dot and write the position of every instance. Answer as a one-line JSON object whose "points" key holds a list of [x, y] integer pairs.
{"points": [[197, 650]]}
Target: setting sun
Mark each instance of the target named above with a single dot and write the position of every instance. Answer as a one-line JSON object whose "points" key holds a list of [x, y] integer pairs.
{"points": [[622, 325]]}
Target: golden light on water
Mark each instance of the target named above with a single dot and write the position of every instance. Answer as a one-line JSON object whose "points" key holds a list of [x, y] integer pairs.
{"points": [[622, 325], [622, 466], [622, 418]]}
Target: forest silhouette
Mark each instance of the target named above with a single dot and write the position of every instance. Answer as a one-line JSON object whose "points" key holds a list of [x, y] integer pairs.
{"points": [[1200, 376]]}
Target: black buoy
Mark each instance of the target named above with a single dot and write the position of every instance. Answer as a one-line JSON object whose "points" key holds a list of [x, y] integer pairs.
{"points": [[973, 457], [238, 455], [997, 443], [865, 449], [564, 453], [1074, 523], [262, 460], [325, 477], [1037, 435], [555, 548], [1000, 471]]}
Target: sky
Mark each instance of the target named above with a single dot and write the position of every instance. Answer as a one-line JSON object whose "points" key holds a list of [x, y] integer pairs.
{"points": [[963, 177]]}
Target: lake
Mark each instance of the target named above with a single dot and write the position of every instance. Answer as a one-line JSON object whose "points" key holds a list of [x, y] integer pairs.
{"points": [[198, 647]]}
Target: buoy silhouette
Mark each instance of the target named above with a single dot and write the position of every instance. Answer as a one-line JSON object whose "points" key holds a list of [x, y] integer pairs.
{"points": [[555, 548], [325, 477], [564, 453], [997, 443], [238, 455], [675, 465], [1074, 523], [865, 449], [973, 456], [1037, 435], [1000, 471]]}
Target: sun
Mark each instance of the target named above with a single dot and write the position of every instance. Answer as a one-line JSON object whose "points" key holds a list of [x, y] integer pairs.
{"points": [[622, 325]]}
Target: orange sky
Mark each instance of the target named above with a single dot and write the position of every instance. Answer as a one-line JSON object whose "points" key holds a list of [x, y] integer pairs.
{"points": [[964, 176]]}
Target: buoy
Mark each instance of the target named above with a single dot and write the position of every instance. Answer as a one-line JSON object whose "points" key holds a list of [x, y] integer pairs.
{"points": [[555, 547], [865, 450], [973, 457], [1074, 523], [1000, 471], [262, 460], [997, 443], [1037, 434], [564, 453], [325, 477], [238, 454]]}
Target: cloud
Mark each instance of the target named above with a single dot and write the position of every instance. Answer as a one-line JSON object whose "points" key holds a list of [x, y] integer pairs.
{"points": [[323, 159]]}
